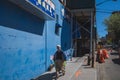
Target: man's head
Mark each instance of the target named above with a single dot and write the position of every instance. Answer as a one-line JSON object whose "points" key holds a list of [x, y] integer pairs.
{"points": [[58, 47]]}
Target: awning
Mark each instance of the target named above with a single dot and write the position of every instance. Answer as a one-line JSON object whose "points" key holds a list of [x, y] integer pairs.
{"points": [[45, 9]]}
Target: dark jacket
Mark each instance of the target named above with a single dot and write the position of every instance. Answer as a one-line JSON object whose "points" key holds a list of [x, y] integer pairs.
{"points": [[59, 55]]}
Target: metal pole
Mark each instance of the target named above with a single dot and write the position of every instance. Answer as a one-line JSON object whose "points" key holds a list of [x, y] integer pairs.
{"points": [[91, 40], [71, 30], [71, 37]]}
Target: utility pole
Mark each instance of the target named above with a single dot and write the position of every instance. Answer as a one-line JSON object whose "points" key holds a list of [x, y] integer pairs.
{"points": [[90, 56], [92, 40]]}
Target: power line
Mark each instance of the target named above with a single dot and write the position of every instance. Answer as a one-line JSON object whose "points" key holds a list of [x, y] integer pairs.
{"points": [[104, 9], [104, 2], [109, 12]]}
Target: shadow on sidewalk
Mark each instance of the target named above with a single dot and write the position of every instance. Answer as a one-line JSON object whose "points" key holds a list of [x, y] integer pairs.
{"points": [[47, 76], [116, 61], [86, 66]]}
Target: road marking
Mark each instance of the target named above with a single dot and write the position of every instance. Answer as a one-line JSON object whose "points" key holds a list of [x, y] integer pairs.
{"points": [[82, 60], [77, 73]]}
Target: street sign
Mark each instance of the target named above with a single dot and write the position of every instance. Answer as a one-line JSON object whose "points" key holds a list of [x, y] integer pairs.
{"points": [[46, 6]]}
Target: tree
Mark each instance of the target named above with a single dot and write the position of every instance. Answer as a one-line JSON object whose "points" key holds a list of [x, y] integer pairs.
{"points": [[113, 26]]}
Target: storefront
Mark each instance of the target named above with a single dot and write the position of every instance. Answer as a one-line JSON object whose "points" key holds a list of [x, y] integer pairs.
{"points": [[29, 33]]}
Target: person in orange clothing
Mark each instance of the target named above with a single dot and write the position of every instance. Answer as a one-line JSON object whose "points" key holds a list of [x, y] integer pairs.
{"points": [[102, 59], [100, 56], [105, 53]]}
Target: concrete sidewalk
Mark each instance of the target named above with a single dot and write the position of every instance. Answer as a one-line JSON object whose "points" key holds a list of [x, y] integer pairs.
{"points": [[75, 70], [85, 72]]}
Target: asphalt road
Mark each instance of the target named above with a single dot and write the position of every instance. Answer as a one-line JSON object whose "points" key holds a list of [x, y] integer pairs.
{"points": [[110, 70]]}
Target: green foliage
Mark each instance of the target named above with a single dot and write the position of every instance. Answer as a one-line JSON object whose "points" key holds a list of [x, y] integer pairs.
{"points": [[113, 22], [109, 41], [113, 25]]}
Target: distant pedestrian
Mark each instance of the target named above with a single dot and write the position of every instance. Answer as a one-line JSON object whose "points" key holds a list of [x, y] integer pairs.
{"points": [[119, 48], [98, 55], [105, 53], [99, 52], [102, 55], [59, 60], [119, 51]]}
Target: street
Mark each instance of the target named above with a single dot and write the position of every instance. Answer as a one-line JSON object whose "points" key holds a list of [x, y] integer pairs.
{"points": [[110, 70]]}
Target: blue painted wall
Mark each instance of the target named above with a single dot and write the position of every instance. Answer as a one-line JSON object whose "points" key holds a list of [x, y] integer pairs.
{"points": [[27, 42], [66, 35]]}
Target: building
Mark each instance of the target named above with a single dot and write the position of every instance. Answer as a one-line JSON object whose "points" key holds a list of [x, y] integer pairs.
{"points": [[31, 29], [29, 33], [83, 12]]}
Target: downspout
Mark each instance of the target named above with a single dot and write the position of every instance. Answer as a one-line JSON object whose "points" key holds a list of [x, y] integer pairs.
{"points": [[71, 31], [76, 26], [46, 46]]}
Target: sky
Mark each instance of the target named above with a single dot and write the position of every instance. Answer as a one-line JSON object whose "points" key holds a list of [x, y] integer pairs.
{"points": [[103, 11]]}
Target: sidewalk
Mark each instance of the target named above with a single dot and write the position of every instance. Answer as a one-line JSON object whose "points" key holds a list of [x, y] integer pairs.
{"points": [[75, 70], [85, 72]]}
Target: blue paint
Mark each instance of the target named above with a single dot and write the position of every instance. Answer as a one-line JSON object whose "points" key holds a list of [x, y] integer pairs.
{"points": [[25, 45], [65, 35]]}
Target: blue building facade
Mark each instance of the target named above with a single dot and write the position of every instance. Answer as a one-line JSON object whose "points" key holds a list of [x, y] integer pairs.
{"points": [[28, 37]]}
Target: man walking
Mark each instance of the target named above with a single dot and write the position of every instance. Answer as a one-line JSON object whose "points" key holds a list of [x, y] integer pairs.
{"points": [[59, 59]]}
